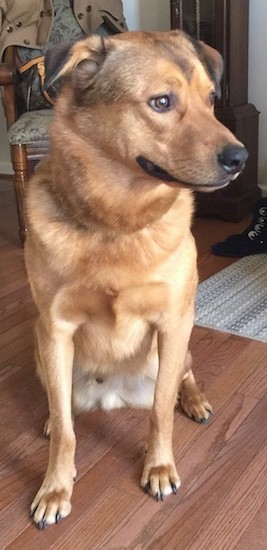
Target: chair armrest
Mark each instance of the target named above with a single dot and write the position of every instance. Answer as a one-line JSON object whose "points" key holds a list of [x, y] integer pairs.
{"points": [[6, 75], [7, 81]]}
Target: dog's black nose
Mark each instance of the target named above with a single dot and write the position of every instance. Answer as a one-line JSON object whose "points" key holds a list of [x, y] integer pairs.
{"points": [[233, 159]]}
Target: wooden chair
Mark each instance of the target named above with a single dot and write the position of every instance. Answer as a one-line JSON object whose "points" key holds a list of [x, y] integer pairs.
{"points": [[28, 130]]}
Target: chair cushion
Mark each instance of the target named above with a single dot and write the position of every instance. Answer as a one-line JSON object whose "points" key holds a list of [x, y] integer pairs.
{"points": [[31, 127]]}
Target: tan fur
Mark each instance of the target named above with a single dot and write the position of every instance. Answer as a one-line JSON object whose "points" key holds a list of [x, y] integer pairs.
{"points": [[110, 255]]}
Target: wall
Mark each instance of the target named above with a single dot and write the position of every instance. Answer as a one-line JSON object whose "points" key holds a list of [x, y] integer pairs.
{"points": [[148, 15], [155, 15], [257, 89]]}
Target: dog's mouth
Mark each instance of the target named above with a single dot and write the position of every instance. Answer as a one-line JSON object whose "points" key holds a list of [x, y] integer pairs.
{"points": [[157, 172], [154, 170]]}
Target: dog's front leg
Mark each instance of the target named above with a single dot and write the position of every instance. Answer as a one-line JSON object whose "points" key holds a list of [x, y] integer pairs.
{"points": [[56, 350], [160, 477]]}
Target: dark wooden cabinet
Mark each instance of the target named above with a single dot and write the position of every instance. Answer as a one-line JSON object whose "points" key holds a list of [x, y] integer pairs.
{"points": [[224, 25]]}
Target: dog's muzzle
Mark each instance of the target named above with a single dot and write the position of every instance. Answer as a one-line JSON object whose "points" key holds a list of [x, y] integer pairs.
{"points": [[232, 159]]}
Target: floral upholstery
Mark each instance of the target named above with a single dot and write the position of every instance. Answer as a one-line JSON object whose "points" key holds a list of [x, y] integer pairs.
{"points": [[31, 127]]}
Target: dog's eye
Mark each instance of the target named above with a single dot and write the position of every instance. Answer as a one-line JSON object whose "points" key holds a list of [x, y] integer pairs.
{"points": [[161, 103], [212, 97]]}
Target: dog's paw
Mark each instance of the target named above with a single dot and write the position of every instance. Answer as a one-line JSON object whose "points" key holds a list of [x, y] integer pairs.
{"points": [[52, 503], [196, 406], [160, 481]]}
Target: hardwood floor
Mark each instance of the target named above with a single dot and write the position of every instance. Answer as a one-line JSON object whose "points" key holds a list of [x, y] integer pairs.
{"points": [[222, 503]]}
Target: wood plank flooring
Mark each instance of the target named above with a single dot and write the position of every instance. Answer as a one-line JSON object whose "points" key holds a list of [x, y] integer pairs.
{"points": [[222, 503]]}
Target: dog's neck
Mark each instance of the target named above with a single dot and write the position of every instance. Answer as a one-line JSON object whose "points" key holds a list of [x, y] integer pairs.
{"points": [[140, 202]]}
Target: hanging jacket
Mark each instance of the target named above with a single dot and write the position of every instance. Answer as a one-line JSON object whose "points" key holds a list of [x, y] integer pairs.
{"points": [[29, 23]]}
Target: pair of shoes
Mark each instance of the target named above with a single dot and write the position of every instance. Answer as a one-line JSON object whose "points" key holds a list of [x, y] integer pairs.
{"points": [[253, 240]]}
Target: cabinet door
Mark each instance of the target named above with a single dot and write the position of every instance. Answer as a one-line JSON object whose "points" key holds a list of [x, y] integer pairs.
{"points": [[237, 51]]}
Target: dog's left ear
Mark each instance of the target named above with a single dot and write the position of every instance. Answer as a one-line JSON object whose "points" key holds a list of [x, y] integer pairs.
{"points": [[83, 59], [213, 62]]}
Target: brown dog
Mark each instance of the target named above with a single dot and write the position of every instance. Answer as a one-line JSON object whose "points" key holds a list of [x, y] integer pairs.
{"points": [[110, 255]]}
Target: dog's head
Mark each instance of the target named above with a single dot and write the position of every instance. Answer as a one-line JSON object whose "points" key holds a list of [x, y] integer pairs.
{"points": [[147, 99]]}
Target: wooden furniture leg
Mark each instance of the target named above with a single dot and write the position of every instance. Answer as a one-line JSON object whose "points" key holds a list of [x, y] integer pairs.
{"points": [[20, 166]]}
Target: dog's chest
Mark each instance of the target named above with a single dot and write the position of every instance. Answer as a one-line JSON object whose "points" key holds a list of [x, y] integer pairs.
{"points": [[118, 325], [113, 333]]}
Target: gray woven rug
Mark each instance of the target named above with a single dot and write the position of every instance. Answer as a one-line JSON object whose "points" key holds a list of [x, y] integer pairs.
{"points": [[235, 299]]}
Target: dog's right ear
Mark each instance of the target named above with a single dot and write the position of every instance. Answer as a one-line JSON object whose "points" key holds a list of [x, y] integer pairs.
{"points": [[55, 60], [85, 60], [81, 59]]}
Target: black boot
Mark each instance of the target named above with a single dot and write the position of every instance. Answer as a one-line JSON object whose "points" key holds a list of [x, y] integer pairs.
{"points": [[252, 241]]}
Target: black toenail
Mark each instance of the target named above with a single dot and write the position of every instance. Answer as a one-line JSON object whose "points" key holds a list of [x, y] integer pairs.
{"points": [[147, 487], [159, 496], [33, 511], [41, 524], [174, 488], [58, 517]]}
